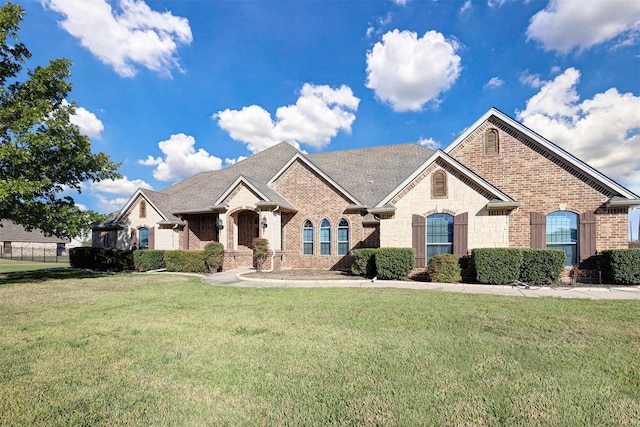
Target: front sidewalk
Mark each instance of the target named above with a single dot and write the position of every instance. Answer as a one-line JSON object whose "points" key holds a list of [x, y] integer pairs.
{"points": [[235, 278]]}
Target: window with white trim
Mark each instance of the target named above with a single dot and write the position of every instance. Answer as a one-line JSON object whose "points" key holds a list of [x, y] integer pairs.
{"points": [[562, 233], [307, 238], [343, 237], [325, 237]]}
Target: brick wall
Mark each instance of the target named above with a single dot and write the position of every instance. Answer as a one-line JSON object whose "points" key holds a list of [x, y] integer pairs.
{"points": [[202, 230], [316, 200], [542, 182]]}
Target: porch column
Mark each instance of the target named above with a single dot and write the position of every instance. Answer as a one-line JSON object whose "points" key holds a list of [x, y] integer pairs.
{"points": [[223, 233]]}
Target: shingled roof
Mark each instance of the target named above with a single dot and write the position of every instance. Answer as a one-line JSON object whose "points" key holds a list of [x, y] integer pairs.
{"points": [[12, 232], [368, 174]]}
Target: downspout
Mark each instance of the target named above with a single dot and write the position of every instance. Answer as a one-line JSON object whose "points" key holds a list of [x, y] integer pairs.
{"points": [[273, 251]]}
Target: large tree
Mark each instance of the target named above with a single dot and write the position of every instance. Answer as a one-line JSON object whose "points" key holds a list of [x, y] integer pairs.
{"points": [[42, 154]]}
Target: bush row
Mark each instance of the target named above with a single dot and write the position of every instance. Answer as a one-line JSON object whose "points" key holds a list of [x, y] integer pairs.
{"points": [[384, 263], [112, 259], [507, 265], [108, 259], [621, 266]]}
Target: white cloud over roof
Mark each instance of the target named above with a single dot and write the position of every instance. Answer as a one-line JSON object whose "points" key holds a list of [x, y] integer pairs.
{"points": [[181, 159], [133, 36], [120, 186], [408, 71], [604, 131], [317, 116], [565, 25]]}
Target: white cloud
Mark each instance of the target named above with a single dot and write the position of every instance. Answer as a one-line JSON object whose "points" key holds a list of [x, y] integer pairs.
{"points": [[317, 116], [231, 162], [181, 159], [110, 205], [565, 25], [120, 186], [496, 3], [82, 207], [429, 143], [133, 36], [466, 6], [532, 80], [494, 82], [89, 124], [408, 72], [400, 2], [603, 131]]}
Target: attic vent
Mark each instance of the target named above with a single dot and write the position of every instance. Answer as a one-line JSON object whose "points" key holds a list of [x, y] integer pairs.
{"points": [[143, 209], [438, 185], [491, 145]]}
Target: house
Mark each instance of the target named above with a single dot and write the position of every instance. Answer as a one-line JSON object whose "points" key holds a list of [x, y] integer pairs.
{"points": [[499, 184], [17, 242]]}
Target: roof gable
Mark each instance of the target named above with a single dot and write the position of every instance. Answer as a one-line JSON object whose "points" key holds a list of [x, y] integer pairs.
{"points": [[457, 166], [574, 165]]}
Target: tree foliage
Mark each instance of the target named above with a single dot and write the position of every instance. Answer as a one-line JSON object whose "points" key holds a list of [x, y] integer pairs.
{"points": [[42, 154]]}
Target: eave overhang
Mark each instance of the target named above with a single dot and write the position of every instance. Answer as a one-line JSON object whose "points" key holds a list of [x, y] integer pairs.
{"points": [[267, 205], [499, 205], [383, 210], [621, 202]]}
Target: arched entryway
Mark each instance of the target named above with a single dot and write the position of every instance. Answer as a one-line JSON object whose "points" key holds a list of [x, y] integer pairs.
{"points": [[246, 228]]}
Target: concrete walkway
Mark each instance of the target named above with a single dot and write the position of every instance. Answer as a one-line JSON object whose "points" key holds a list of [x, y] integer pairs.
{"points": [[235, 278]]}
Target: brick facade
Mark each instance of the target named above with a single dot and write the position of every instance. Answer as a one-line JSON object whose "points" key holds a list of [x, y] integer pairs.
{"points": [[542, 181], [316, 200]]}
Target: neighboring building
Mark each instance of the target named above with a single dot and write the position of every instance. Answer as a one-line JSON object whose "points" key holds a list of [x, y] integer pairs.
{"points": [[499, 184], [16, 241]]}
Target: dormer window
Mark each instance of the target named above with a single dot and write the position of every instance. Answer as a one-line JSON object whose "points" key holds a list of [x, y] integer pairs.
{"points": [[438, 185], [491, 143]]}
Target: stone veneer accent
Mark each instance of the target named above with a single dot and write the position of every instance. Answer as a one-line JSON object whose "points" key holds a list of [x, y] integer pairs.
{"points": [[543, 182]]}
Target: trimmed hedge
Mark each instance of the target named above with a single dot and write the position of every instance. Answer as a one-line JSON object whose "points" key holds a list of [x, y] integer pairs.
{"points": [[541, 266], [260, 248], [109, 259], [185, 261], [394, 263], [497, 266], [621, 266], [148, 259], [214, 256], [363, 262], [444, 268]]}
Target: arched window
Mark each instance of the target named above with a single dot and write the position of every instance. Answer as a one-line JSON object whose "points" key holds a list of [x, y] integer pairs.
{"points": [[562, 233], [307, 238], [106, 240], [143, 209], [491, 143], [439, 234], [325, 237], [143, 238], [438, 185], [343, 237]]}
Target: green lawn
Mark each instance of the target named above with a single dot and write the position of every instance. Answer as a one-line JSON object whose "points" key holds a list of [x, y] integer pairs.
{"points": [[167, 350], [7, 265]]}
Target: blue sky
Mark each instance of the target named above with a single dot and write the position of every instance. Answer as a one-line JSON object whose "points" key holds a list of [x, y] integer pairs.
{"points": [[172, 88]]}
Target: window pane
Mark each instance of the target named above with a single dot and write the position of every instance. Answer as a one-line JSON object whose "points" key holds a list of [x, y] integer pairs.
{"points": [[343, 248], [439, 235], [325, 248], [307, 238], [562, 233], [308, 248], [143, 238], [343, 237]]}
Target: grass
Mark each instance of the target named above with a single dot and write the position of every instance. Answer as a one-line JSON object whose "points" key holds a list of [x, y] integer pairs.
{"points": [[9, 266], [168, 350]]}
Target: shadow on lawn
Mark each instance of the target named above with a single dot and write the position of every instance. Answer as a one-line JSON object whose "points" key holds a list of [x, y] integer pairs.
{"points": [[44, 275]]}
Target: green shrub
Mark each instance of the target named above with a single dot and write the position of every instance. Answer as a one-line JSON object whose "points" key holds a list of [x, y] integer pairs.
{"points": [[497, 265], [394, 263], [621, 266], [214, 256], [363, 262], [109, 259], [185, 261], [541, 266], [260, 251], [148, 259], [444, 268]]}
